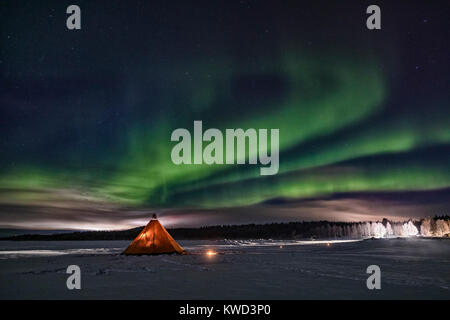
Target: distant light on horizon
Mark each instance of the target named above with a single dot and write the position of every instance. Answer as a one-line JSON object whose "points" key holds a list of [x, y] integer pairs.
{"points": [[210, 253]]}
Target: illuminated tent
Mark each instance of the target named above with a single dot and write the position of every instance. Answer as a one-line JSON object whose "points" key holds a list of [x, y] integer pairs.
{"points": [[154, 239]]}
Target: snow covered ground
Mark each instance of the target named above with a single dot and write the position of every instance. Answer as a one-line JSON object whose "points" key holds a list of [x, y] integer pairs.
{"points": [[410, 268]]}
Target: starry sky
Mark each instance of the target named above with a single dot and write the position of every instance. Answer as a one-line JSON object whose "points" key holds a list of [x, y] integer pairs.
{"points": [[86, 115]]}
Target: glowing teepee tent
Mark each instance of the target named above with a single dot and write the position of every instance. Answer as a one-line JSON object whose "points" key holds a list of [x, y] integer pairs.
{"points": [[153, 239]]}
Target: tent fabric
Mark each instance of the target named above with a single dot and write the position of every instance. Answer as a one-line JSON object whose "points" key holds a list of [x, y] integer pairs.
{"points": [[153, 239]]}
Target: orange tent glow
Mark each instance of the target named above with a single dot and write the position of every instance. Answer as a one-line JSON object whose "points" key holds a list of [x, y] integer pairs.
{"points": [[154, 239]]}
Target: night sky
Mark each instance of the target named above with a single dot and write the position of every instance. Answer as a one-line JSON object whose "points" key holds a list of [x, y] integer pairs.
{"points": [[86, 116]]}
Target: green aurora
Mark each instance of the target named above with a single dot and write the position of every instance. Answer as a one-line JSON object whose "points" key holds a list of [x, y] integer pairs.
{"points": [[312, 117], [87, 118]]}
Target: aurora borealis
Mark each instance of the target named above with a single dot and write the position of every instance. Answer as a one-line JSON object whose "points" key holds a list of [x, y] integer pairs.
{"points": [[86, 116]]}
